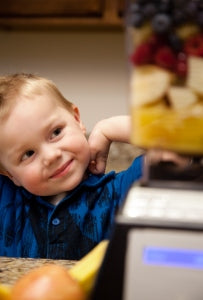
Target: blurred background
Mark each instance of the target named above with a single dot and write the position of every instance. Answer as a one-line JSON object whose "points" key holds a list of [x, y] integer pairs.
{"points": [[80, 45]]}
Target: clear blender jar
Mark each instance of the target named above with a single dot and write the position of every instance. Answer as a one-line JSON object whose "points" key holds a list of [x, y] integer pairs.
{"points": [[165, 51]]}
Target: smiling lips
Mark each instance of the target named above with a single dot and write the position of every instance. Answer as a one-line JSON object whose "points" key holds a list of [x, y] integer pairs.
{"points": [[62, 171]]}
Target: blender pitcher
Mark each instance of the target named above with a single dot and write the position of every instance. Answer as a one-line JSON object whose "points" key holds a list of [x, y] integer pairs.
{"points": [[165, 53]]}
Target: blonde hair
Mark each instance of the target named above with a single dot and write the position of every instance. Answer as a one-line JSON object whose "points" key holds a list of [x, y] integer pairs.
{"points": [[13, 87]]}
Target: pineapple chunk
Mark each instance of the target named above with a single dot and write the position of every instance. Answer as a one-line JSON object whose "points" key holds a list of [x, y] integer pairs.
{"points": [[195, 74], [187, 30], [181, 97], [148, 84], [140, 35], [197, 110], [165, 128]]}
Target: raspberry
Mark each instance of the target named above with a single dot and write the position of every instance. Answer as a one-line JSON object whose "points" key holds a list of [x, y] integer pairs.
{"points": [[156, 41], [194, 45], [142, 54], [165, 58], [181, 65]]}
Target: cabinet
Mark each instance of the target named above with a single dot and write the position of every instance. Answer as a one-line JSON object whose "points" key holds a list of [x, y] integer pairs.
{"points": [[58, 14]]}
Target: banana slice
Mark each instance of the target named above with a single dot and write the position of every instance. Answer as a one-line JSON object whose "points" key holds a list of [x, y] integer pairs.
{"points": [[195, 74], [148, 84], [181, 97], [86, 269]]}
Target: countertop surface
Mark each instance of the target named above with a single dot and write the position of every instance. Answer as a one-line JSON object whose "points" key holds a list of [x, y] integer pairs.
{"points": [[121, 156], [13, 268]]}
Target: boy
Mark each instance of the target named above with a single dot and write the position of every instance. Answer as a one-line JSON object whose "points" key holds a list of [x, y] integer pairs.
{"points": [[51, 205]]}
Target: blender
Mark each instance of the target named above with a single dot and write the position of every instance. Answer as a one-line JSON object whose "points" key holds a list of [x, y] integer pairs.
{"points": [[156, 246]]}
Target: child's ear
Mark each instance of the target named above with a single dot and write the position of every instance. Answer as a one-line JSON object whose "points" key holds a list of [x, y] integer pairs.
{"points": [[76, 114]]}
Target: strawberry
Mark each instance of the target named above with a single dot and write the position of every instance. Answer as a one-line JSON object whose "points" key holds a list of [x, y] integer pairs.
{"points": [[194, 45], [165, 58], [142, 54]]}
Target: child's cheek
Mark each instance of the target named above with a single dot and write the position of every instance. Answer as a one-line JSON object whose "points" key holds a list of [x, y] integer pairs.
{"points": [[31, 179]]}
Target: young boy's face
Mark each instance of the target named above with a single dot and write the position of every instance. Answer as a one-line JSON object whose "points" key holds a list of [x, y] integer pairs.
{"points": [[43, 146]]}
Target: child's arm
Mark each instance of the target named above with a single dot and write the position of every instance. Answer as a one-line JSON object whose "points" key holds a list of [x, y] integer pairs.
{"points": [[115, 129]]}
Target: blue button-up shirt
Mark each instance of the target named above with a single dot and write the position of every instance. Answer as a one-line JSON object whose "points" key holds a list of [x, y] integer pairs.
{"points": [[32, 227]]}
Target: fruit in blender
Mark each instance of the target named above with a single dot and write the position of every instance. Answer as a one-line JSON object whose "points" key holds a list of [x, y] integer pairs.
{"points": [[166, 81]]}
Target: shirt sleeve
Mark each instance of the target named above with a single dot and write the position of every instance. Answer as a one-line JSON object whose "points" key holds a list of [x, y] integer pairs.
{"points": [[7, 190], [125, 179]]}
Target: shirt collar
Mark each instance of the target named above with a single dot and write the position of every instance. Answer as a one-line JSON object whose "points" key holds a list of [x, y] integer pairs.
{"points": [[92, 181]]}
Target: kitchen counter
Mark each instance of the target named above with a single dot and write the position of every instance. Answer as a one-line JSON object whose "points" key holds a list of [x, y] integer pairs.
{"points": [[13, 268], [121, 155]]}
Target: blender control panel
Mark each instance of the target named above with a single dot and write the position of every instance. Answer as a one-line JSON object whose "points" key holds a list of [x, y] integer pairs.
{"points": [[163, 264], [164, 204]]}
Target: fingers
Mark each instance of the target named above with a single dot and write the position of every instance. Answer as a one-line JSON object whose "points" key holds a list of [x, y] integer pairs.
{"points": [[98, 167]]}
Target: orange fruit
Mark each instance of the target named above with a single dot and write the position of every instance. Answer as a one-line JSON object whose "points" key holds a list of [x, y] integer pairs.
{"points": [[48, 282]]}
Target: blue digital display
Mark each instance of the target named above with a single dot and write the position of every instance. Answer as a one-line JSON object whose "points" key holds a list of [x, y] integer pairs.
{"points": [[172, 257]]}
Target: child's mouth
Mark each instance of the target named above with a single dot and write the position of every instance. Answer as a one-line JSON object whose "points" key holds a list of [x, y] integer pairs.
{"points": [[63, 170]]}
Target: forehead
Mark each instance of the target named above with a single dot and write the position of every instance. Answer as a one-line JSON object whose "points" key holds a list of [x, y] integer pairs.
{"points": [[37, 100], [32, 92], [32, 114]]}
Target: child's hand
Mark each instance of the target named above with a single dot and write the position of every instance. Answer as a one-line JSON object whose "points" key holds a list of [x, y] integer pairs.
{"points": [[99, 149], [114, 129]]}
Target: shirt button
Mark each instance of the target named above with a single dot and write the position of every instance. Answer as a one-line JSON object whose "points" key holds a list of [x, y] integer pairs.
{"points": [[55, 221]]}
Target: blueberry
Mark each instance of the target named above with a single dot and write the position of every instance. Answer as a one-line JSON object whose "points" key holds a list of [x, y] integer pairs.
{"points": [[179, 4], [137, 19], [178, 17], [191, 9], [200, 18], [200, 4], [134, 8], [175, 42], [149, 10], [142, 1], [165, 6], [161, 23]]}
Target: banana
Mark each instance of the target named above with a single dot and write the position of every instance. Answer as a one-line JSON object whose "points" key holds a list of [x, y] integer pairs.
{"points": [[195, 74], [181, 97], [5, 292], [86, 269], [149, 84]]}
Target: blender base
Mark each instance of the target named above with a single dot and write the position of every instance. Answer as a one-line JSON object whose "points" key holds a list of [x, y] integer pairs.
{"points": [[160, 213]]}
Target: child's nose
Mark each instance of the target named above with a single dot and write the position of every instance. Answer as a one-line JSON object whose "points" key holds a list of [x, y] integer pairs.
{"points": [[50, 155]]}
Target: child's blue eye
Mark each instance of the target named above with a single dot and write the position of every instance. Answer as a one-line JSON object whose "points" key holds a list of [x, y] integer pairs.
{"points": [[28, 154]]}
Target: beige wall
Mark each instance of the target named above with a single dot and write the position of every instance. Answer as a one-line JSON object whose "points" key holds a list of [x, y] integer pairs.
{"points": [[90, 68]]}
